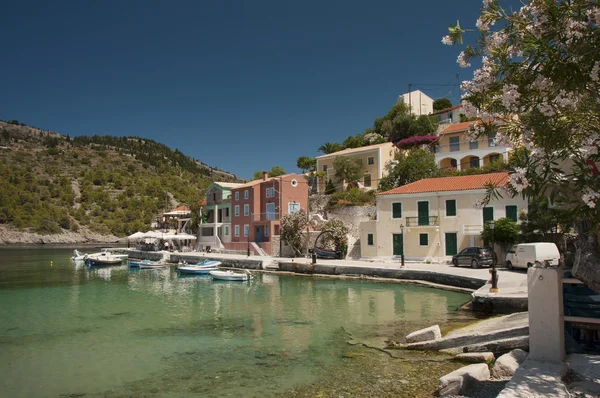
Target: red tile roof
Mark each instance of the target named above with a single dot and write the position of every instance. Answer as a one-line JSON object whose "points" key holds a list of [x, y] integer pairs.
{"points": [[461, 183], [181, 208], [447, 109], [453, 128]]}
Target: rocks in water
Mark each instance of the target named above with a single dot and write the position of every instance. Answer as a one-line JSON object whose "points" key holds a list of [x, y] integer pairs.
{"points": [[507, 364], [461, 380], [476, 357], [427, 334]]}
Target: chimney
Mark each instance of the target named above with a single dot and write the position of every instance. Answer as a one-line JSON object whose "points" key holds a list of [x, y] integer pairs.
{"points": [[265, 175]]}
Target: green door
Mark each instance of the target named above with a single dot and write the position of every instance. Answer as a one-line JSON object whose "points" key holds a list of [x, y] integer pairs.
{"points": [[423, 209], [451, 243], [398, 244]]}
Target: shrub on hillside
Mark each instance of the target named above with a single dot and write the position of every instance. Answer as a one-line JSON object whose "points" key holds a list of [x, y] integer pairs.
{"points": [[352, 197]]}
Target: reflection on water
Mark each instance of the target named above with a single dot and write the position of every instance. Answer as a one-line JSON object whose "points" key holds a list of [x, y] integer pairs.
{"points": [[121, 330]]}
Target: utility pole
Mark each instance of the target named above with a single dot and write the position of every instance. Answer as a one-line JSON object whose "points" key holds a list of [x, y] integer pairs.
{"points": [[458, 84]]}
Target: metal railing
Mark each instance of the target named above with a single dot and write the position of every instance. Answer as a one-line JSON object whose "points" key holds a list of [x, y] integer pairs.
{"points": [[265, 216], [422, 221]]}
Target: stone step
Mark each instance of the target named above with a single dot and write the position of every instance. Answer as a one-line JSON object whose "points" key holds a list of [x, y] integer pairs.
{"points": [[469, 339], [499, 346]]}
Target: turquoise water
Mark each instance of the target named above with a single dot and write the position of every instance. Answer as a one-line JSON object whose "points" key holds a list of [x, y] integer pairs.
{"points": [[68, 329]]}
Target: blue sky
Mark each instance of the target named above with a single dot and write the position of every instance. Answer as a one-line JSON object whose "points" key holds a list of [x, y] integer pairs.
{"points": [[239, 85]]}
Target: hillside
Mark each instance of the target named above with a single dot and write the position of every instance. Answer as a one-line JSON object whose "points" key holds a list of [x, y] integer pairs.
{"points": [[103, 185]]}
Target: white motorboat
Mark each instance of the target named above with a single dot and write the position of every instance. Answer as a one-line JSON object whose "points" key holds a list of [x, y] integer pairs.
{"points": [[78, 256], [103, 258], [231, 276], [201, 268]]}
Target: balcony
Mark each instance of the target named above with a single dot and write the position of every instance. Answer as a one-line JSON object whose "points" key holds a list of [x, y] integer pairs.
{"points": [[422, 221], [265, 216]]}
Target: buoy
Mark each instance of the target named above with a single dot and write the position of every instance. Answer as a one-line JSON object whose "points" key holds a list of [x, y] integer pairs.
{"points": [[51, 263]]}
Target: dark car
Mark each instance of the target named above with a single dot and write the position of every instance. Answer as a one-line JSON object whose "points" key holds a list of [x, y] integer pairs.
{"points": [[474, 256]]}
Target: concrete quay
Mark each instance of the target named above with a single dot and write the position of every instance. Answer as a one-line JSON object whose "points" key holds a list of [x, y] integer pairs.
{"points": [[512, 295]]}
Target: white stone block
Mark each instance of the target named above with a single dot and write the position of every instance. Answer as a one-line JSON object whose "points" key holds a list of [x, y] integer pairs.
{"points": [[476, 357], [507, 364], [427, 334], [461, 380]]}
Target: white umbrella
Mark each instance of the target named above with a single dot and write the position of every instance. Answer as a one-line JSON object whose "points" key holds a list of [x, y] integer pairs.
{"points": [[185, 236], [153, 235], [136, 236]]}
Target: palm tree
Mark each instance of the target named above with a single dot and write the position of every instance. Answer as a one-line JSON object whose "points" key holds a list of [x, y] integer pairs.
{"points": [[330, 147]]}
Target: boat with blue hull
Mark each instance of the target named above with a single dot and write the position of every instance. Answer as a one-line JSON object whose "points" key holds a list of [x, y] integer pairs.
{"points": [[201, 268]]}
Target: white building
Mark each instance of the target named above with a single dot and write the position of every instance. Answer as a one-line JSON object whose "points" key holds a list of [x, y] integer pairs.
{"points": [[419, 102]]}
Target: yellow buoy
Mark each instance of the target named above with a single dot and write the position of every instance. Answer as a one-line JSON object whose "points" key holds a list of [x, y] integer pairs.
{"points": [[51, 263]]}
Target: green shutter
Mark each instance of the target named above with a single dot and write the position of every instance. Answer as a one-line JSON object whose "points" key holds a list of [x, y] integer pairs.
{"points": [[370, 239], [511, 212], [450, 208], [424, 239], [396, 210], [398, 242], [423, 209], [488, 214], [451, 243]]}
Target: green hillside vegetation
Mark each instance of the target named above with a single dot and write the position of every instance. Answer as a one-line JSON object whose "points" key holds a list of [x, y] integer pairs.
{"points": [[109, 185]]}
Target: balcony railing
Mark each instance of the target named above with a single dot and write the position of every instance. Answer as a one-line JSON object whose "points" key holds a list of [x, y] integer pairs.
{"points": [[422, 221], [265, 216]]}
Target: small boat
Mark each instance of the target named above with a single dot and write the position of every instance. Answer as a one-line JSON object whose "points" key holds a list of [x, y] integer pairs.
{"points": [[133, 263], [230, 275], [324, 253], [102, 260], [78, 256], [147, 264], [201, 268]]}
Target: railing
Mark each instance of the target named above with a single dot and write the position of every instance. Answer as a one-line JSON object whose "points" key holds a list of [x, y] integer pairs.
{"points": [[422, 221], [265, 217]]}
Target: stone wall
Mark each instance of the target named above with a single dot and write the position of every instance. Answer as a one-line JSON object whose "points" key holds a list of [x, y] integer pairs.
{"points": [[352, 216]]}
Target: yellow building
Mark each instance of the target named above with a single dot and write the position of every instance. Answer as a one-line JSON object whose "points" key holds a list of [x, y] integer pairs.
{"points": [[455, 151], [373, 157], [434, 218]]}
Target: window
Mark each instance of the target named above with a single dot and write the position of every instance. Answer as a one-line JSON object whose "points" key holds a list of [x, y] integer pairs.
{"points": [[396, 210], [246, 229], [488, 214], [367, 180], [324, 167], [370, 160], [246, 194], [293, 207], [494, 158], [453, 163], [474, 162], [294, 182], [436, 148], [226, 231], [454, 144], [246, 210], [511, 212], [237, 196], [370, 239], [451, 208], [266, 230], [237, 230], [423, 239], [491, 139], [227, 212], [214, 196], [270, 211], [236, 210], [473, 144], [270, 192], [423, 212]]}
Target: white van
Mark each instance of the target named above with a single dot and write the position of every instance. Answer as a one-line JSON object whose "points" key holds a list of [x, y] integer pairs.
{"points": [[525, 255]]}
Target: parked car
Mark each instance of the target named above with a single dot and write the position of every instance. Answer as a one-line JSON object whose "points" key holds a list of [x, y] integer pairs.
{"points": [[525, 255], [474, 256]]}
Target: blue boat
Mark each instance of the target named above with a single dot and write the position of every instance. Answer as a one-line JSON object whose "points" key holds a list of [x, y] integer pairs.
{"points": [[201, 268], [133, 263], [324, 253]]}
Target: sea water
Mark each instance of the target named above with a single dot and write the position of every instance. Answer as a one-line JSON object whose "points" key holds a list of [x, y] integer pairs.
{"points": [[68, 329]]}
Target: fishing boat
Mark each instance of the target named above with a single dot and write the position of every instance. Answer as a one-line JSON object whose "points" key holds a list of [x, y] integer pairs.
{"points": [[134, 263], [78, 256], [324, 253], [201, 268], [102, 259], [147, 264], [230, 275]]}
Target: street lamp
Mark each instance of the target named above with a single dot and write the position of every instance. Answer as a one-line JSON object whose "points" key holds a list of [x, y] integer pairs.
{"points": [[494, 288], [402, 254]]}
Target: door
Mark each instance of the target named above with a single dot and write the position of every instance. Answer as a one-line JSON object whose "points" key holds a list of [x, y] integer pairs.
{"points": [[270, 211], [398, 240], [259, 234], [423, 209], [451, 243]]}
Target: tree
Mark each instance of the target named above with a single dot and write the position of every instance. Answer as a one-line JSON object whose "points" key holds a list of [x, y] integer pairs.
{"points": [[330, 147], [292, 228], [441, 104], [347, 169], [539, 85], [355, 141], [337, 240], [542, 223], [506, 232], [306, 164], [329, 188], [415, 165], [275, 171]]}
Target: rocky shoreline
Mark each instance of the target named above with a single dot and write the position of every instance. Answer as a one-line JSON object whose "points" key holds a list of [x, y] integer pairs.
{"points": [[12, 236]]}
